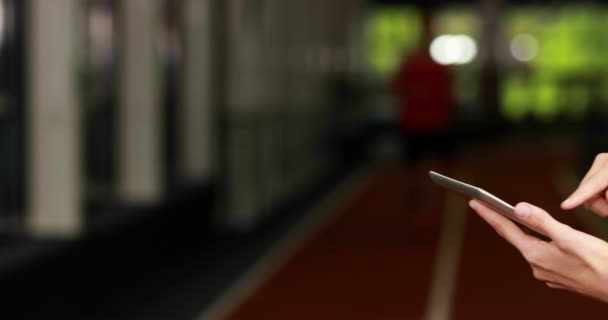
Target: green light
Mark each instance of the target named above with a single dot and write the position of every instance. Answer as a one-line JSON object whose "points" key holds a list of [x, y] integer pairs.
{"points": [[515, 99], [579, 101], [391, 32], [458, 20], [572, 51], [547, 101]]}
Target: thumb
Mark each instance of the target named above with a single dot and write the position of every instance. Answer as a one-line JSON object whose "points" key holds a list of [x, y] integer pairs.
{"points": [[539, 220]]}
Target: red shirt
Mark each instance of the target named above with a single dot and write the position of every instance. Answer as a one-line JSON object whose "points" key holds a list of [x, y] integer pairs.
{"points": [[423, 89]]}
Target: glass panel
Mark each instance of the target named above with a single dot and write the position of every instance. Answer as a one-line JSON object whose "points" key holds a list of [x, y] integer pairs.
{"points": [[98, 93], [11, 112]]}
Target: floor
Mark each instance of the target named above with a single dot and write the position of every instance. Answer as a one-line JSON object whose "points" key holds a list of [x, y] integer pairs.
{"points": [[168, 266], [392, 248]]}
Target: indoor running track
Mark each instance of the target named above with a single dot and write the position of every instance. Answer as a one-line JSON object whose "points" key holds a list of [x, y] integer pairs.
{"points": [[380, 257]]}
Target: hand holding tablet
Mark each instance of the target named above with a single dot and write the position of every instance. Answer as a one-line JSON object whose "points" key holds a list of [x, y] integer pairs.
{"points": [[487, 199], [569, 259]]}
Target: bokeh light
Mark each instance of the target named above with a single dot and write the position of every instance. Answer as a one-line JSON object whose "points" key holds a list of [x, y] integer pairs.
{"points": [[453, 49], [524, 47]]}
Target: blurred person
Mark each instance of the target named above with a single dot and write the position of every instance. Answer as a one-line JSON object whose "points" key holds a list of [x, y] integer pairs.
{"points": [[573, 260], [423, 91]]}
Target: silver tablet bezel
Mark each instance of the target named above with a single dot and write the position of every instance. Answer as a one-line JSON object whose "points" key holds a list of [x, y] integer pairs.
{"points": [[486, 198]]}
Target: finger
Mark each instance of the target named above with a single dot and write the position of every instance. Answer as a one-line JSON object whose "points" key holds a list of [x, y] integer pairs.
{"points": [[554, 285], [598, 204], [599, 162], [589, 187], [542, 275], [541, 221], [586, 190], [503, 226]]}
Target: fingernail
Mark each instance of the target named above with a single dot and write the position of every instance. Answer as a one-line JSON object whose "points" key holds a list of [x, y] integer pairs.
{"points": [[522, 210]]}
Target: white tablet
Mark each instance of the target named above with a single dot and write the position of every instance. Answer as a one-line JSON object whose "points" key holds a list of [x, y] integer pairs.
{"points": [[485, 197]]}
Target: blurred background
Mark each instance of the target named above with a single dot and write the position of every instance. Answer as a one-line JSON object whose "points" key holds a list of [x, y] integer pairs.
{"points": [[268, 159]]}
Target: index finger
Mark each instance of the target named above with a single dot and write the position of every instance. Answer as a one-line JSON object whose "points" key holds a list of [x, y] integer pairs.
{"points": [[587, 190], [598, 204], [598, 163]]}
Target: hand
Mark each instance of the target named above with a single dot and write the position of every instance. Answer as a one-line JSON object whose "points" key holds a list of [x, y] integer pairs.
{"points": [[592, 191], [573, 261]]}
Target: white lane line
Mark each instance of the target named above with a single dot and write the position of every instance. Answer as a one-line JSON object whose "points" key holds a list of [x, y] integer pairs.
{"points": [[268, 264], [447, 259]]}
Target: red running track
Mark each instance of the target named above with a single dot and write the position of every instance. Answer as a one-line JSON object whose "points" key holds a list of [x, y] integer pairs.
{"points": [[375, 260]]}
